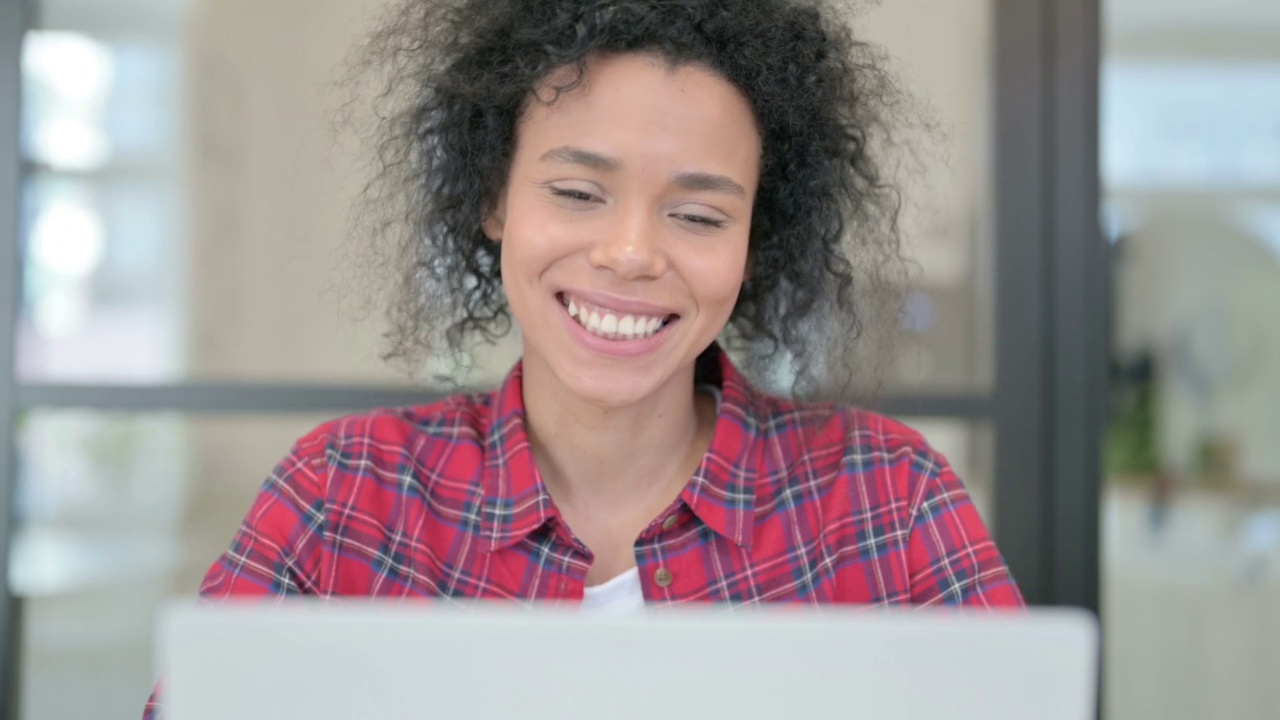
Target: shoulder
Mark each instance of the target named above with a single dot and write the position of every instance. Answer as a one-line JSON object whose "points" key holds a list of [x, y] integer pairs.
{"points": [[868, 487], [847, 449], [400, 443], [853, 434]]}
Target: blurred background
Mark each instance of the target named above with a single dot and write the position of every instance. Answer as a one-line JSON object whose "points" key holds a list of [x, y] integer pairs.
{"points": [[1093, 338]]}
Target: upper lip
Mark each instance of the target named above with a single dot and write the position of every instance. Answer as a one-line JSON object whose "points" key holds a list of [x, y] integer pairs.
{"points": [[621, 305]]}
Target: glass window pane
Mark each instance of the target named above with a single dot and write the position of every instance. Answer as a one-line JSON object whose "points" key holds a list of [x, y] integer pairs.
{"points": [[942, 53], [1190, 156], [211, 197], [185, 208], [116, 513]]}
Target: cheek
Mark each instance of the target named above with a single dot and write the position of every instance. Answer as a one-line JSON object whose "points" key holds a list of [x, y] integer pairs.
{"points": [[716, 277], [536, 236], [526, 245]]}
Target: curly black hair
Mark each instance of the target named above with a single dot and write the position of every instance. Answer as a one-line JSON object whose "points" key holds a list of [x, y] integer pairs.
{"points": [[452, 78]]}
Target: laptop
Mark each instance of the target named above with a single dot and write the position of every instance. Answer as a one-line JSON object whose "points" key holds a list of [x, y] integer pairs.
{"points": [[343, 660]]}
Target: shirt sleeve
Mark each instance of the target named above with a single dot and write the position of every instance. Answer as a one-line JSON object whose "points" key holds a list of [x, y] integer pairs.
{"points": [[951, 557], [278, 547]]}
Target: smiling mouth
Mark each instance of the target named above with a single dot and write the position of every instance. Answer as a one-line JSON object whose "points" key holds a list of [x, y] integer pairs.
{"points": [[611, 324]]}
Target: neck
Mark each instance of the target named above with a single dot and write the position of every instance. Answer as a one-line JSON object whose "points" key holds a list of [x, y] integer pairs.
{"points": [[589, 452]]}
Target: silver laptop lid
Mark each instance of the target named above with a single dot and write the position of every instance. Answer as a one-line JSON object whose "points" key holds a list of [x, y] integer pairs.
{"points": [[343, 661]]}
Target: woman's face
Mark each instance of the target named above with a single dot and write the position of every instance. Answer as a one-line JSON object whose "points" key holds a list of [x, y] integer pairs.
{"points": [[624, 225]]}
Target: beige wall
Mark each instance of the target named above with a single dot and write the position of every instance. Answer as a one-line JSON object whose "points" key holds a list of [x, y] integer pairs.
{"points": [[270, 185], [943, 54]]}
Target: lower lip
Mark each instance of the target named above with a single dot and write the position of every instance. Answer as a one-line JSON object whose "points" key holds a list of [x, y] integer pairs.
{"points": [[616, 348]]}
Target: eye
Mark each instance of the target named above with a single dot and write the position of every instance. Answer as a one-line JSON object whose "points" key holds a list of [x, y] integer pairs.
{"points": [[701, 220], [573, 195]]}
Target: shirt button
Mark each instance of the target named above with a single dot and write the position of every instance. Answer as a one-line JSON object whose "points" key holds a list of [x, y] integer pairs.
{"points": [[662, 577], [669, 523]]}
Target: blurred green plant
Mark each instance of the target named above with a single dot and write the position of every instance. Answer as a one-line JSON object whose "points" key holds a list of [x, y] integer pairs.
{"points": [[1130, 442]]}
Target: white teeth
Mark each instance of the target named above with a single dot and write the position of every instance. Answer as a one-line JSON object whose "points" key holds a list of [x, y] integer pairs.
{"points": [[610, 325]]}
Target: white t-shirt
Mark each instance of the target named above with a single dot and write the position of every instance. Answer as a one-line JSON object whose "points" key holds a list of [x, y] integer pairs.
{"points": [[620, 596]]}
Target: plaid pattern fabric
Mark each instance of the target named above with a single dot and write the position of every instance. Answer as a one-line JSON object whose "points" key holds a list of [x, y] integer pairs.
{"points": [[801, 503]]}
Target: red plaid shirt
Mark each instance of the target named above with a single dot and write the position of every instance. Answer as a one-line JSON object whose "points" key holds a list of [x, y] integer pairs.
{"points": [[807, 503]]}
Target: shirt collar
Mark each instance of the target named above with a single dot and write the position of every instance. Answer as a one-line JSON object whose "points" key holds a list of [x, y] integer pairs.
{"points": [[722, 493]]}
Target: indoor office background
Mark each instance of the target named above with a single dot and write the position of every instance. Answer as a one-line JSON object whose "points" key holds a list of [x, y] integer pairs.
{"points": [[1093, 338]]}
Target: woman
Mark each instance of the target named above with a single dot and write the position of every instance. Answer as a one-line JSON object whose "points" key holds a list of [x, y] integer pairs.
{"points": [[630, 180]]}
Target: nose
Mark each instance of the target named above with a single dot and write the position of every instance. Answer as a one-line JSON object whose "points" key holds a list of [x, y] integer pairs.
{"points": [[631, 247]]}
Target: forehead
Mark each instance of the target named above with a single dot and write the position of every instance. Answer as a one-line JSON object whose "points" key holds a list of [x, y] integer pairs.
{"points": [[641, 100]]}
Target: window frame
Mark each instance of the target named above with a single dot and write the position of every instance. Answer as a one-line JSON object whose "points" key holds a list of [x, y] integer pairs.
{"points": [[1048, 401]]}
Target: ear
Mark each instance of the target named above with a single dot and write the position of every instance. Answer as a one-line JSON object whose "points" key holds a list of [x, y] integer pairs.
{"points": [[495, 217]]}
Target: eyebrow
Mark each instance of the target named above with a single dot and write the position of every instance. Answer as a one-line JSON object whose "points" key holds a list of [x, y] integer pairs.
{"points": [[714, 183], [578, 156], [694, 181]]}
